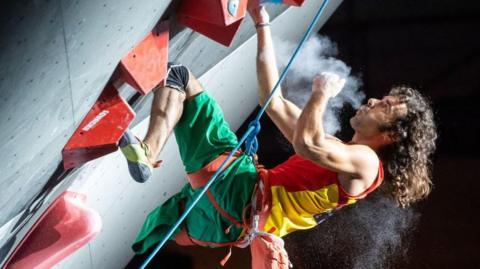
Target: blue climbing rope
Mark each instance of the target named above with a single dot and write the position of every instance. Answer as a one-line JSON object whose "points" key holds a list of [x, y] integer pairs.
{"points": [[250, 139]]}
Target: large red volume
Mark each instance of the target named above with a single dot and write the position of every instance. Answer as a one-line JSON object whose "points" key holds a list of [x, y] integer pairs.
{"points": [[100, 130], [216, 19], [145, 66], [294, 2], [64, 227]]}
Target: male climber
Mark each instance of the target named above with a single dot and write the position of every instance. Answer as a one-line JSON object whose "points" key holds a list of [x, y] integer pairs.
{"points": [[249, 204]]}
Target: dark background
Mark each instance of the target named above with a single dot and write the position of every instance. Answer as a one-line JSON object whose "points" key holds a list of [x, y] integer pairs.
{"points": [[431, 45]]}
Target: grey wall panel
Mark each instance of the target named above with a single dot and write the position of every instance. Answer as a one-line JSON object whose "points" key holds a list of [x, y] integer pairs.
{"points": [[35, 110], [56, 57], [98, 34]]}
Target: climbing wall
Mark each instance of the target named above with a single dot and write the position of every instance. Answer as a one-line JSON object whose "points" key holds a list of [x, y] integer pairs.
{"points": [[56, 58]]}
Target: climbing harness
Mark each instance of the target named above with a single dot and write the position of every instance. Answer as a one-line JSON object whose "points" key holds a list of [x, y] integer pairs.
{"points": [[251, 143]]}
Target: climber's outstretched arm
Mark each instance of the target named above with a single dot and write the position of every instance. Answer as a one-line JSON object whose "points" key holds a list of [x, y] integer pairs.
{"points": [[283, 112]]}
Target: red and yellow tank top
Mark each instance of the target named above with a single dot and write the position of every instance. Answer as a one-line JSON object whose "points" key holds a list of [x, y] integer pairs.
{"points": [[300, 190]]}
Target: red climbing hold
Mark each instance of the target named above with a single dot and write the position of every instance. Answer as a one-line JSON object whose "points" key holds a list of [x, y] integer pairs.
{"points": [[293, 2], [216, 19], [63, 228], [100, 130], [145, 66]]}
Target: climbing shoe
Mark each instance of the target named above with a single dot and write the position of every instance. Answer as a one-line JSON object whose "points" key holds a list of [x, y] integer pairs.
{"points": [[136, 152]]}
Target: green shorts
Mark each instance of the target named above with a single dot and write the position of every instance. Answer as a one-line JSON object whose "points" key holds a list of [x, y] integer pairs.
{"points": [[202, 135]]}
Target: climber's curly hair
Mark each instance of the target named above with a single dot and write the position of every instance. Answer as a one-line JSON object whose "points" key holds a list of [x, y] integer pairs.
{"points": [[408, 160]]}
